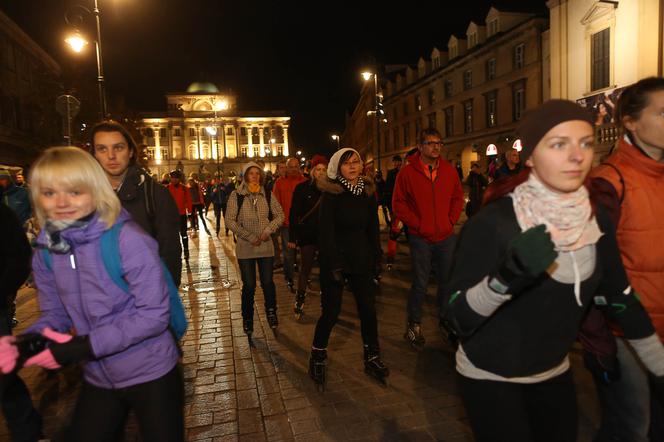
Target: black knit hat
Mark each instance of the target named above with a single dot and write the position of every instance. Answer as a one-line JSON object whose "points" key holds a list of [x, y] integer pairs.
{"points": [[537, 122]]}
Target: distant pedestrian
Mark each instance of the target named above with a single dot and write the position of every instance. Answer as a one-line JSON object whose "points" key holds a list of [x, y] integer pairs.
{"points": [[476, 183]]}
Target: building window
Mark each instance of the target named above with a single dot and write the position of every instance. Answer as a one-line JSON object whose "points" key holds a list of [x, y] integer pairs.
{"points": [[418, 127], [518, 55], [600, 59], [149, 132], [467, 79], [418, 103], [472, 40], [243, 131], [491, 106], [448, 88], [229, 131], [436, 62], [177, 132], [453, 51], [192, 132], [432, 120], [518, 99], [406, 134], [449, 121], [405, 107], [493, 27], [431, 97], [162, 133], [468, 116], [491, 69], [395, 137]]}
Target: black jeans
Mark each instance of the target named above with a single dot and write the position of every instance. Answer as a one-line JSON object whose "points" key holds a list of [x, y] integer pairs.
{"points": [[364, 291], [183, 233], [248, 272], [307, 254], [22, 419], [197, 208], [217, 215], [510, 412], [101, 413]]}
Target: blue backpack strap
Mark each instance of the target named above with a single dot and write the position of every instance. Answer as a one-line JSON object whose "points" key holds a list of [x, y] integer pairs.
{"points": [[110, 254], [47, 258]]}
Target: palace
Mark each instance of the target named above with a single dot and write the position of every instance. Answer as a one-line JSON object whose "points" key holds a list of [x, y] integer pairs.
{"points": [[203, 131]]}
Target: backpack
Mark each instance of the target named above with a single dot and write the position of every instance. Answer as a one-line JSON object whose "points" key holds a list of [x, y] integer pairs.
{"points": [[110, 254]]}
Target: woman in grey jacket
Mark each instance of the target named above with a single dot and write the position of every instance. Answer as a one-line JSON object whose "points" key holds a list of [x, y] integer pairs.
{"points": [[253, 215]]}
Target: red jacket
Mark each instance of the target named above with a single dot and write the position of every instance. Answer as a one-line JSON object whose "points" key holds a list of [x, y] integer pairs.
{"points": [[429, 208], [283, 190], [182, 197]]}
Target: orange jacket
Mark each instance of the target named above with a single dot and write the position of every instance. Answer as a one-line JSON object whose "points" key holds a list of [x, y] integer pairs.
{"points": [[283, 190], [641, 226], [182, 197]]}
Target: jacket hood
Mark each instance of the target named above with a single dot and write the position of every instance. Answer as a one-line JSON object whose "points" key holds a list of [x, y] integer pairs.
{"points": [[251, 164], [333, 186], [75, 236]]}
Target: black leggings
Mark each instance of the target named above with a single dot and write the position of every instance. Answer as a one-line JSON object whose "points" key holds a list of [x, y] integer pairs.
{"points": [[183, 233], [101, 413], [197, 208], [307, 254], [510, 412], [364, 291]]}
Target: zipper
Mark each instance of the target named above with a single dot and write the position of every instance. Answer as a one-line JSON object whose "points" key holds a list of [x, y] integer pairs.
{"points": [[72, 260]]}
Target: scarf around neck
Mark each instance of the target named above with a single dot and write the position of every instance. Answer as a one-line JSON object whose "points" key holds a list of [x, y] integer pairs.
{"points": [[567, 216], [356, 189], [53, 233]]}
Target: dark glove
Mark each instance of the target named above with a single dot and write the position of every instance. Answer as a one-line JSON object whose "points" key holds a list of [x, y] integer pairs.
{"points": [[605, 369], [527, 257], [338, 276], [29, 345], [657, 387], [75, 350]]}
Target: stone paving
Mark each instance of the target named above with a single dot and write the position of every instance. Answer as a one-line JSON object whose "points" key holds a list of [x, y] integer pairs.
{"points": [[236, 392]]}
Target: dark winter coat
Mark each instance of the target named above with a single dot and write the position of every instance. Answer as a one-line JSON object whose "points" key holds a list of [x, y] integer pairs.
{"points": [[476, 183], [163, 225], [390, 182], [18, 200], [348, 229], [505, 172], [15, 255], [305, 197]]}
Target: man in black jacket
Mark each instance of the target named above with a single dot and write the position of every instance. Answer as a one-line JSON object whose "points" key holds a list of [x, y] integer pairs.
{"points": [[22, 419], [149, 204], [390, 182]]}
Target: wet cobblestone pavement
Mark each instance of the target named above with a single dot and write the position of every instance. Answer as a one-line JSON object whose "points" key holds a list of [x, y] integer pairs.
{"points": [[236, 392]]}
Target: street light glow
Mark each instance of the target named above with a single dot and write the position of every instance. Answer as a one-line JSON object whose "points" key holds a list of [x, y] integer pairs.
{"points": [[299, 152], [211, 130], [76, 42], [367, 75], [303, 158], [221, 105], [272, 140], [335, 137]]}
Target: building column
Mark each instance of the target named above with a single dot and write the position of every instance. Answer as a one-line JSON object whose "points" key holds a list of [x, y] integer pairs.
{"points": [[261, 150], [250, 136], [285, 128], [157, 146]]}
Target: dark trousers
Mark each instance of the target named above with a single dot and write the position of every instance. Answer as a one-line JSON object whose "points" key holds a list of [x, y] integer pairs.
{"points": [[248, 272], [101, 413], [425, 256], [217, 215], [288, 255], [364, 291], [197, 209], [307, 254], [22, 419], [510, 412], [183, 233]]}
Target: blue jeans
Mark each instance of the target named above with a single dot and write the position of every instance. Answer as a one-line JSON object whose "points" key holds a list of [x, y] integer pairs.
{"points": [[424, 257], [248, 272], [626, 402], [22, 419], [288, 255]]}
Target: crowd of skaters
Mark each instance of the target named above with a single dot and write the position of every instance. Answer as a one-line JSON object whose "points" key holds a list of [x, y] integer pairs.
{"points": [[554, 251]]}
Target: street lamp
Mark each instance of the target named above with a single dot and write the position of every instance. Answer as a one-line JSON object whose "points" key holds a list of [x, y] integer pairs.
{"points": [[77, 43], [367, 76], [335, 137]]}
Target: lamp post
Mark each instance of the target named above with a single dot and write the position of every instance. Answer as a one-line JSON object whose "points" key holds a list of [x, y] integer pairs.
{"points": [[335, 137], [367, 76], [77, 43], [217, 106]]}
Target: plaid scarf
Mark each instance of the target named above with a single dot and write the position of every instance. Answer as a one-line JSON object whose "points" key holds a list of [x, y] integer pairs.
{"points": [[53, 233]]}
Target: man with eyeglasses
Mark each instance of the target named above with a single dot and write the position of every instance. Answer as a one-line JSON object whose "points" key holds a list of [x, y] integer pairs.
{"points": [[428, 198]]}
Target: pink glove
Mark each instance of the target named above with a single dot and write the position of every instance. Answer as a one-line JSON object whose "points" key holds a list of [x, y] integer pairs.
{"points": [[45, 358], [8, 354]]}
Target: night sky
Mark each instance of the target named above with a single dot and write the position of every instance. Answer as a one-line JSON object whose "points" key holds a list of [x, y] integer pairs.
{"points": [[301, 57]]}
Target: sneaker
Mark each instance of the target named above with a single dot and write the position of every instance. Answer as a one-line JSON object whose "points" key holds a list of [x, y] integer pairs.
{"points": [[414, 335], [272, 319]]}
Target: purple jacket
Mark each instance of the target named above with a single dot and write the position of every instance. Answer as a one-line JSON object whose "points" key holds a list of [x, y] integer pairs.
{"points": [[128, 334]]}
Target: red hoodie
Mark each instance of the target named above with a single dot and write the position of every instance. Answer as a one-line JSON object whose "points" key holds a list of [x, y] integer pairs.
{"points": [[429, 208], [283, 190], [181, 196]]}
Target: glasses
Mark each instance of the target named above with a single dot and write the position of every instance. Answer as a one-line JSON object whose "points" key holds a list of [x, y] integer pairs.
{"points": [[433, 143]]}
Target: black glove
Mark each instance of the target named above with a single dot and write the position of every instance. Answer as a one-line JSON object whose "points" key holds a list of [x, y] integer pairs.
{"points": [[527, 257], [338, 276], [77, 349], [605, 369], [28, 345]]}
